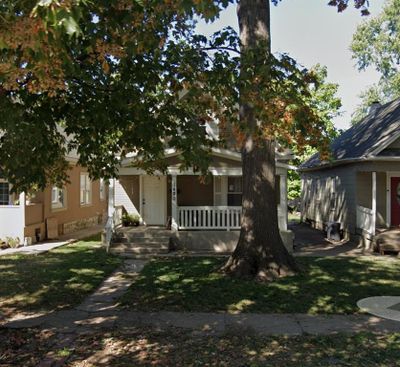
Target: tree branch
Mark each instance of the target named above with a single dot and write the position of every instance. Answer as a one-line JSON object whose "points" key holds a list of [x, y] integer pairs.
{"points": [[221, 48]]}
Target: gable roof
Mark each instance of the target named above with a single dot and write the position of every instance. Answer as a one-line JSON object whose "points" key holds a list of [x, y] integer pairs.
{"points": [[364, 140]]}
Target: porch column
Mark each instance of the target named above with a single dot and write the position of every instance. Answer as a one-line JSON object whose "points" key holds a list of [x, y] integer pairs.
{"points": [[283, 200], [22, 205], [111, 206], [373, 207], [174, 204]]}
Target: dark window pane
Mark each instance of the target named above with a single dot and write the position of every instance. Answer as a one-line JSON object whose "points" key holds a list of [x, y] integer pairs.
{"points": [[235, 184], [234, 199], [4, 193]]}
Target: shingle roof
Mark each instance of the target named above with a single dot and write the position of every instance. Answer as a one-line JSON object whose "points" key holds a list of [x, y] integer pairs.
{"points": [[363, 139]]}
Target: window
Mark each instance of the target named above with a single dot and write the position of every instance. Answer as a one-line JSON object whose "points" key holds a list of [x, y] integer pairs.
{"points": [[58, 198], [102, 189], [234, 191], [86, 189], [4, 193]]}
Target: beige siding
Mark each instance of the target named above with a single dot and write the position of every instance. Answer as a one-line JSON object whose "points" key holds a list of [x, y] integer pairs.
{"points": [[329, 195], [381, 198], [354, 188], [127, 193], [364, 189], [364, 194]]}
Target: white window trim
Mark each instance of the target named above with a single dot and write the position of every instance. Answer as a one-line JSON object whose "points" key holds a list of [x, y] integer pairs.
{"points": [[233, 192], [86, 190], [102, 189], [57, 205]]}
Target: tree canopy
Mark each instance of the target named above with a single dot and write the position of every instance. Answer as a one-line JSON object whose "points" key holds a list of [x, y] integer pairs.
{"points": [[113, 74], [376, 44]]}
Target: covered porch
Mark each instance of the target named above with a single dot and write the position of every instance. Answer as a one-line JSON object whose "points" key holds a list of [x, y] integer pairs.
{"points": [[185, 201], [377, 202]]}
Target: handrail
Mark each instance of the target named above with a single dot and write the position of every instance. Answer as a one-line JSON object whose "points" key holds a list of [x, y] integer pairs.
{"points": [[112, 223], [364, 219]]}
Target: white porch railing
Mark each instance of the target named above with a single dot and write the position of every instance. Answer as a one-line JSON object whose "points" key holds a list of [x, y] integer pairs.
{"points": [[113, 222], [365, 219], [12, 221], [209, 217], [216, 217]]}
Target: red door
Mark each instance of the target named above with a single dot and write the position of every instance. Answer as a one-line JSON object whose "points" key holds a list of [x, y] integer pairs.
{"points": [[395, 200]]}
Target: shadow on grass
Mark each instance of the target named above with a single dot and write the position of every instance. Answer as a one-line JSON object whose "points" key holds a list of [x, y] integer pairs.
{"points": [[56, 279], [177, 348], [325, 286]]}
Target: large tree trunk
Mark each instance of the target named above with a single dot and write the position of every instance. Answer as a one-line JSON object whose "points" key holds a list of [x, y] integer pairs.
{"points": [[260, 252]]}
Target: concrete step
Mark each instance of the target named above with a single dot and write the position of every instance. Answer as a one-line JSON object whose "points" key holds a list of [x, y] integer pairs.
{"points": [[129, 245], [142, 240], [178, 254], [134, 235], [138, 250]]}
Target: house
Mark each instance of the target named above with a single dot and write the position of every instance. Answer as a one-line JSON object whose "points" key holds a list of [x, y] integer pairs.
{"points": [[79, 204], [202, 214], [360, 186]]}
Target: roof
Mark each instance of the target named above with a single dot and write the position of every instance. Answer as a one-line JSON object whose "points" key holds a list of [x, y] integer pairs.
{"points": [[364, 140], [281, 157]]}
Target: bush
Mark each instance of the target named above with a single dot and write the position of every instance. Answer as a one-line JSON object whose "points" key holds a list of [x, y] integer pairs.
{"points": [[13, 242], [130, 220]]}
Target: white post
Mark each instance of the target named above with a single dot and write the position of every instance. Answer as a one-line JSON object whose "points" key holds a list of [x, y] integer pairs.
{"points": [[283, 200], [111, 198], [373, 222], [22, 217], [174, 204]]}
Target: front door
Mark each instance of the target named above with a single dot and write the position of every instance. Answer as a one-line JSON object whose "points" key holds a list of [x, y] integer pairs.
{"points": [[395, 200], [154, 200]]}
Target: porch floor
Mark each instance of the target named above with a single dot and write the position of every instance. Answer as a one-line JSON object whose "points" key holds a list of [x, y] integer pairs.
{"points": [[388, 240], [312, 242]]}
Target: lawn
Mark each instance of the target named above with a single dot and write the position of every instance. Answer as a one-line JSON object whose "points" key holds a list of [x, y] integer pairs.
{"points": [[57, 279], [325, 286], [149, 347]]}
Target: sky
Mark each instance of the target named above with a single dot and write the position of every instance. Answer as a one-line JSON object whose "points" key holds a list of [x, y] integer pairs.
{"points": [[312, 32]]}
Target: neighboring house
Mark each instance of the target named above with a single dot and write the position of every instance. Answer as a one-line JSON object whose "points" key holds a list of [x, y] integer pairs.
{"points": [[360, 186], [202, 213], [81, 203]]}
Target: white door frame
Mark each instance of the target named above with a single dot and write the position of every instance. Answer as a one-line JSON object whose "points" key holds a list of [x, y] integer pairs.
{"points": [[164, 196], [389, 176]]}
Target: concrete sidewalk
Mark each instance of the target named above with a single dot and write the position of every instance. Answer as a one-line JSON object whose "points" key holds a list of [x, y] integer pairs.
{"points": [[51, 244], [78, 321]]}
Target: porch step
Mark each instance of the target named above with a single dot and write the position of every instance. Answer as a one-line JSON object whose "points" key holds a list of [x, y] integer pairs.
{"points": [[177, 254], [141, 240], [138, 250], [388, 241], [150, 245], [132, 236]]}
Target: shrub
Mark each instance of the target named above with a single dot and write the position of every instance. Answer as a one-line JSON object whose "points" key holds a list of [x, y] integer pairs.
{"points": [[13, 242], [130, 219]]}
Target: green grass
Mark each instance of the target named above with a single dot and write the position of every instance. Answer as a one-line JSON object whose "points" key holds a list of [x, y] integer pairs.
{"points": [[57, 279], [325, 286]]}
